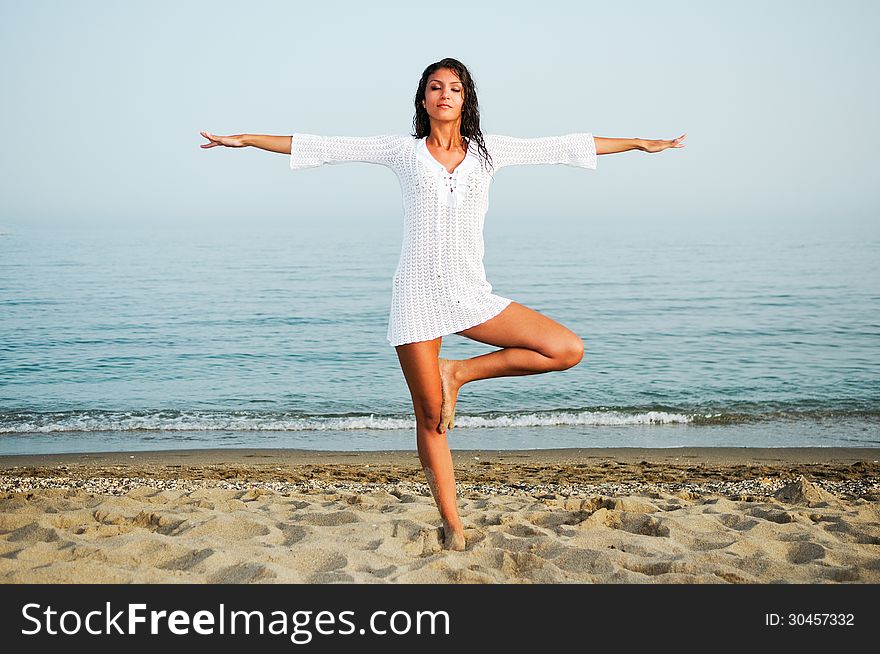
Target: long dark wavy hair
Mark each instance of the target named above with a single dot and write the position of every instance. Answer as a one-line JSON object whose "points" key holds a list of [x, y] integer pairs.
{"points": [[470, 108]]}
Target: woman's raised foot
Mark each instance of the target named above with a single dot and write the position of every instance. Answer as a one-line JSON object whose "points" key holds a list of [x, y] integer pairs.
{"points": [[450, 394]]}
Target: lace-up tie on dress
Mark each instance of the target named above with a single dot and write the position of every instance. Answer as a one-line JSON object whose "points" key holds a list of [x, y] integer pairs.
{"points": [[451, 187]]}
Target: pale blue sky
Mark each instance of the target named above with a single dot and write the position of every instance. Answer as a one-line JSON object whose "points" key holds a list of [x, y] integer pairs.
{"points": [[103, 102]]}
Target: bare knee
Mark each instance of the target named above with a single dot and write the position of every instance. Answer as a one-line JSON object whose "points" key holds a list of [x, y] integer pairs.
{"points": [[568, 353], [427, 410]]}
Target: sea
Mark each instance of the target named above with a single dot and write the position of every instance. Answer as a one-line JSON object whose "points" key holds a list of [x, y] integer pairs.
{"points": [[716, 332]]}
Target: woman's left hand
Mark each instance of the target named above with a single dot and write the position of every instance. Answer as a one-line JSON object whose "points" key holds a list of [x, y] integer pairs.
{"points": [[660, 145]]}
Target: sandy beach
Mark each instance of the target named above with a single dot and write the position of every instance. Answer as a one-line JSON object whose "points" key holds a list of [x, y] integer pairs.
{"points": [[682, 515]]}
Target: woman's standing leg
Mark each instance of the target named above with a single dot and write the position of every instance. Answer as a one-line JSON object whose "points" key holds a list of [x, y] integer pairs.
{"points": [[421, 369]]}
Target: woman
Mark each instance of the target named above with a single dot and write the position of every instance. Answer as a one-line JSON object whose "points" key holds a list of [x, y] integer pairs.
{"points": [[440, 286]]}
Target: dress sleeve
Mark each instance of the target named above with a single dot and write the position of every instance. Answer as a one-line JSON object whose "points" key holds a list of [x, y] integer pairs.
{"points": [[312, 150], [577, 149]]}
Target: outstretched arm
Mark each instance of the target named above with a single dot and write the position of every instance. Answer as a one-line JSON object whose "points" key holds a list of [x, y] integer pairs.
{"points": [[268, 142], [609, 146], [313, 150]]}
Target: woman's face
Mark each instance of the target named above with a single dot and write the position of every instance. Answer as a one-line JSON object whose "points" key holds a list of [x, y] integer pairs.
{"points": [[444, 88]]}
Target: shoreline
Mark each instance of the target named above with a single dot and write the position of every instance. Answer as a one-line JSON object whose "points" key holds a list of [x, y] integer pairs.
{"points": [[747, 474], [575, 465]]}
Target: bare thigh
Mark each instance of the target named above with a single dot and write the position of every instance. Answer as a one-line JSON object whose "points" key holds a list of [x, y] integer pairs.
{"points": [[519, 326], [419, 362]]}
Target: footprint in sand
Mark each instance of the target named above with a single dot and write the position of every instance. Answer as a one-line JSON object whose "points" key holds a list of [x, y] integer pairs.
{"points": [[243, 573], [313, 560], [33, 533], [333, 519], [229, 527], [292, 534], [736, 522], [421, 540], [187, 561], [804, 552], [773, 515]]}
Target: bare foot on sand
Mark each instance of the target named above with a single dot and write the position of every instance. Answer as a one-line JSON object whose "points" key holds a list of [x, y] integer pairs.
{"points": [[453, 539], [450, 394]]}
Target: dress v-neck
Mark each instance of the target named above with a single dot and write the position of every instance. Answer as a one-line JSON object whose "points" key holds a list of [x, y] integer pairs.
{"points": [[433, 158]]}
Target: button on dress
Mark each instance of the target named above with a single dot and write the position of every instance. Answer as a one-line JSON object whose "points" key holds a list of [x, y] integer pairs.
{"points": [[440, 285]]}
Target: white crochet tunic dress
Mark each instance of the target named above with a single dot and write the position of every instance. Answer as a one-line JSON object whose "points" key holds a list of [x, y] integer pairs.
{"points": [[440, 284]]}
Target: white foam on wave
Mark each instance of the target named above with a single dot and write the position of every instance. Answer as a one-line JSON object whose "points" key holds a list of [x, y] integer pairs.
{"points": [[217, 421]]}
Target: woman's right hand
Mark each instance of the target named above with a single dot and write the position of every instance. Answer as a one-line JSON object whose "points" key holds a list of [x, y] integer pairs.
{"points": [[234, 141]]}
